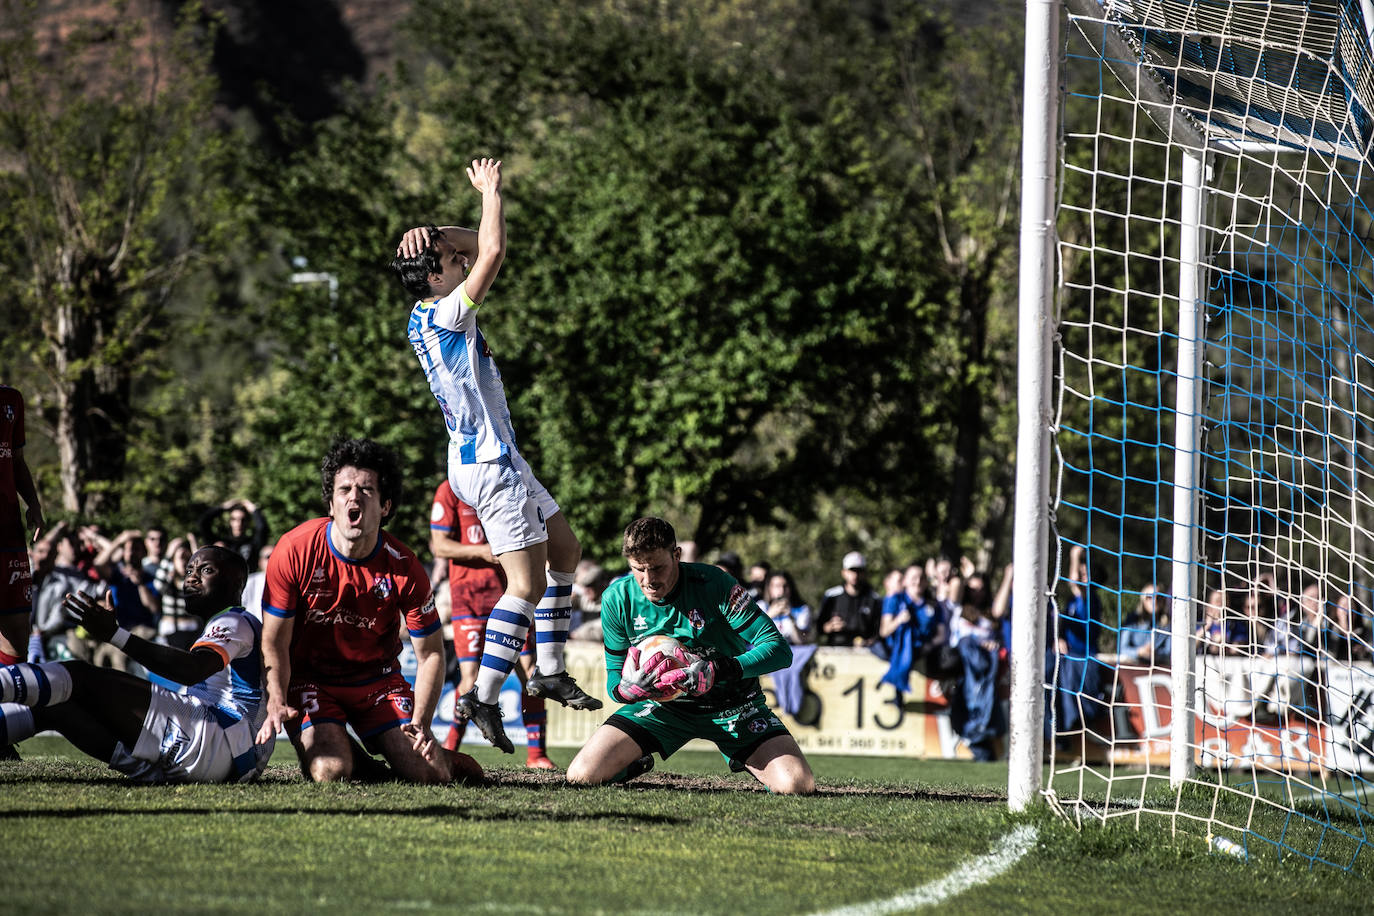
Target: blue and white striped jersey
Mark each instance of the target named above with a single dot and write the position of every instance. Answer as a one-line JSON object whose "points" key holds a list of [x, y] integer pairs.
{"points": [[236, 691], [463, 376]]}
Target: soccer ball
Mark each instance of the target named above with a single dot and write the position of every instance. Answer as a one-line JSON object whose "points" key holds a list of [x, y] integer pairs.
{"points": [[650, 645]]}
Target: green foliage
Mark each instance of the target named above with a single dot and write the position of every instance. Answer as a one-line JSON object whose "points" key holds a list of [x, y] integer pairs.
{"points": [[759, 277], [726, 294], [117, 194], [339, 366]]}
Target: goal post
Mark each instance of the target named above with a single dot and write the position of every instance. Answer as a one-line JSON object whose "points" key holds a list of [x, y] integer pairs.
{"points": [[1196, 420]]}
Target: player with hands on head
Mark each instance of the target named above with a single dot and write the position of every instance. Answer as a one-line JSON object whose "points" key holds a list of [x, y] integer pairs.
{"points": [[449, 272], [727, 642], [201, 732]]}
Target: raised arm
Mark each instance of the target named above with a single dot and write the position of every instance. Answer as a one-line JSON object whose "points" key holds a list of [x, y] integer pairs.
{"points": [[485, 175], [166, 661]]}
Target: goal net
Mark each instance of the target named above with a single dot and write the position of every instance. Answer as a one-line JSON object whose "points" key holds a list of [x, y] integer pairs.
{"points": [[1212, 495]]}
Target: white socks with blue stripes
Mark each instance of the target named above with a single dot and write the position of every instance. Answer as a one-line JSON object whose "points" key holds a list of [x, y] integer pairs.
{"points": [[35, 685], [551, 620]]}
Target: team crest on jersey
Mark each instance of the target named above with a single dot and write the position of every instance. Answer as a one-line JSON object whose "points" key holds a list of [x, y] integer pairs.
{"points": [[404, 704], [758, 726], [9, 413], [382, 587], [696, 619]]}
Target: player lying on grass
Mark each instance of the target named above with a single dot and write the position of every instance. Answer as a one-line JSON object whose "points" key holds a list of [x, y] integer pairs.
{"points": [[202, 732], [728, 643]]}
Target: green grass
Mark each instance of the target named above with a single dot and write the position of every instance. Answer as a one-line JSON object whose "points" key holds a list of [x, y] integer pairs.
{"points": [[80, 838]]}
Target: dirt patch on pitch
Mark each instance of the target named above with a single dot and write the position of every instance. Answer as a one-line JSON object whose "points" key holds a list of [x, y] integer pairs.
{"points": [[684, 782]]}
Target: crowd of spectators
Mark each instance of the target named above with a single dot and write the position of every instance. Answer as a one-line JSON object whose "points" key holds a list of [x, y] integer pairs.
{"points": [[139, 572], [939, 618]]}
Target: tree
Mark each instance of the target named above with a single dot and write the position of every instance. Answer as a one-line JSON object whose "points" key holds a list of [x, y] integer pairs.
{"points": [[115, 187]]}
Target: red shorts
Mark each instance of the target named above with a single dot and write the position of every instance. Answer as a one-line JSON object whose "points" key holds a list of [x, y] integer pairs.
{"points": [[16, 582], [469, 633], [370, 708]]}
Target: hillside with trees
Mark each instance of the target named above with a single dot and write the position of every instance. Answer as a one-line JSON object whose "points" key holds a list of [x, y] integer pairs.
{"points": [[761, 268]]}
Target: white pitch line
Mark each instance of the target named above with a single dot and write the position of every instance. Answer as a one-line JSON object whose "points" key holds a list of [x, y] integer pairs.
{"points": [[972, 873], [1351, 794]]}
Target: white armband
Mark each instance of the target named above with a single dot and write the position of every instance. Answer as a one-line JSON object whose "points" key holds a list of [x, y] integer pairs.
{"points": [[120, 637]]}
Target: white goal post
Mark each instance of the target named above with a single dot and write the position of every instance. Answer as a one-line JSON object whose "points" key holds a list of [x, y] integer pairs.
{"points": [[1194, 542]]}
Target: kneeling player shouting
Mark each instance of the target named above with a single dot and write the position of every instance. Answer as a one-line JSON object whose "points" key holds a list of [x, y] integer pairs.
{"points": [[729, 643]]}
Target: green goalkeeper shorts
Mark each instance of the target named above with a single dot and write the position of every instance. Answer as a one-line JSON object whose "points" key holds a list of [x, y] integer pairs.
{"points": [[665, 727]]}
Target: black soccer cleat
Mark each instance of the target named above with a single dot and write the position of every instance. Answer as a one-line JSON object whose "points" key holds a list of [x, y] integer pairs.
{"points": [[638, 768], [487, 717], [10, 752], [563, 688]]}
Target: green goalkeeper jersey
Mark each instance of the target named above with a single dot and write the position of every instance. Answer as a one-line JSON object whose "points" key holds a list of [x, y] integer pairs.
{"points": [[710, 614]]}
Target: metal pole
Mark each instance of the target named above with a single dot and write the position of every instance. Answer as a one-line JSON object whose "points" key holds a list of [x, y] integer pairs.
{"points": [[1039, 170], [1187, 448]]}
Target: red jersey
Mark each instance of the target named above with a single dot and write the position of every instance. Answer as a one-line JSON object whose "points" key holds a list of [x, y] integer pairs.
{"points": [[347, 612], [474, 589], [11, 438]]}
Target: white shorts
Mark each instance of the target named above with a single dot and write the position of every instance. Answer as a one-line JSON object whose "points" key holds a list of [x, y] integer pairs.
{"points": [[510, 501], [181, 741]]}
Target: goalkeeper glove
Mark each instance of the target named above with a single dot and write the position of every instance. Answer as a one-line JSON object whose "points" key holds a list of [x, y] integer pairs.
{"points": [[642, 682], [697, 676]]}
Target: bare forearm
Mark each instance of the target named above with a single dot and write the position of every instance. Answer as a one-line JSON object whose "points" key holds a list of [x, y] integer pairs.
{"points": [[462, 239], [23, 485], [446, 548], [276, 656], [177, 665], [429, 683]]}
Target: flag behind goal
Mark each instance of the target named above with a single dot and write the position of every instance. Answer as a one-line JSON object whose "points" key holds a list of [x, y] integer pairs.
{"points": [[1214, 295]]}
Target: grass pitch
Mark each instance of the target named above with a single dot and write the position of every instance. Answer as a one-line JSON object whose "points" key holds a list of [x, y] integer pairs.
{"points": [[686, 839]]}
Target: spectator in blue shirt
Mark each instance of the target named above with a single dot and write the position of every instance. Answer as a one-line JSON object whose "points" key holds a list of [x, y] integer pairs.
{"points": [[912, 627], [1078, 678]]}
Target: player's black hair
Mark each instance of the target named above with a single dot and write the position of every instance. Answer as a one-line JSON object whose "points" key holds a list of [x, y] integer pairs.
{"points": [[365, 455], [233, 563], [414, 272], [646, 535]]}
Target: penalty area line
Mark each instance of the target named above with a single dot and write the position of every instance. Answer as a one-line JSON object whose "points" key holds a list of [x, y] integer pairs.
{"points": [[972, 873]]}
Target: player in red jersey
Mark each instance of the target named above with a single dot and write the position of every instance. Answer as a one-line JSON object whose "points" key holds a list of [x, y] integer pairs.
{"points": [[335, 592], [475, 582], [16, 578]]}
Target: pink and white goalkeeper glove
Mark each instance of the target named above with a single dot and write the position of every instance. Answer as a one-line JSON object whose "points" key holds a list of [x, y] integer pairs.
{"points": [[696, 676], [641, 677]]}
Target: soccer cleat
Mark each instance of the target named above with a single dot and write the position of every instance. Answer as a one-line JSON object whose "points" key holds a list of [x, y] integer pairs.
{"points": [[638, 768], [487, 718], [9, 752], [540, 762], [563, 688]]}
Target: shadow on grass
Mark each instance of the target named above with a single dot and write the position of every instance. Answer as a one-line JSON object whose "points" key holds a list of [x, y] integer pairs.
{"points": [[49, 771], [460, 812]]}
